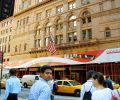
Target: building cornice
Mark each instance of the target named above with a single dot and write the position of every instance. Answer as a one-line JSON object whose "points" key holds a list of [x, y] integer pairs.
{"points": [[32, 7], [104, 13]]}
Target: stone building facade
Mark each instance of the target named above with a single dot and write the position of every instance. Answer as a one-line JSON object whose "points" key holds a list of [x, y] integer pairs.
{"points": [[76, 26]]}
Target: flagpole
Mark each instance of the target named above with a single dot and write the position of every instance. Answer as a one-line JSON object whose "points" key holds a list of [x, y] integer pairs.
{"points": [[51, 45]]}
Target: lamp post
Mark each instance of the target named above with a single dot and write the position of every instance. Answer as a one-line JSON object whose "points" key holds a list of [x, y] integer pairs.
{"points": [[1, 63]]}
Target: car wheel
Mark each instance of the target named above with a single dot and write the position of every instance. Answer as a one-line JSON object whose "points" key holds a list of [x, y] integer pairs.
{"points": [[77, 93], [25, 85]]}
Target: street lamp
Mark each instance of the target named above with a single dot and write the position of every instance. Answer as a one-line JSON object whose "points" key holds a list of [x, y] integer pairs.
{"points": [[1, 63]]}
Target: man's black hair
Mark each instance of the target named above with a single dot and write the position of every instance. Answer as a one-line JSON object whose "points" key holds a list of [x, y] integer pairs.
{"points": [[12, 72], [44, 67], [90, 73]]}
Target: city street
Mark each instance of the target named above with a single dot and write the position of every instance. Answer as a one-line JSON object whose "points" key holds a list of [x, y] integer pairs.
{"points": [[25, 92]]}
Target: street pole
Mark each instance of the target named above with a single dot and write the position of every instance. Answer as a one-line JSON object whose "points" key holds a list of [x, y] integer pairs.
{"points": [[1, 62]]}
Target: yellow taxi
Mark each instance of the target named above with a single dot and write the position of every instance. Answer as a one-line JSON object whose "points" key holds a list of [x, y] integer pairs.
{"points": [[69, 87]]}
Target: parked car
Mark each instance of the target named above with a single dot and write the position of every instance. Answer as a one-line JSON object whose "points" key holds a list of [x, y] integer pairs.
{"points": [[29, 80], [69, 87]]}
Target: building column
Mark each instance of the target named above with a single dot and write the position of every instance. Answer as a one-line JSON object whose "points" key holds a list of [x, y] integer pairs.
{"points": [[53, 32], [42, 36], [79, 29], [32, 39], [65, 6], [65, 26]]}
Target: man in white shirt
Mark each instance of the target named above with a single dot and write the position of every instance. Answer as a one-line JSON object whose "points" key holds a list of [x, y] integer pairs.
{"points": [[13, 86], [41, 89], [87, 86]]}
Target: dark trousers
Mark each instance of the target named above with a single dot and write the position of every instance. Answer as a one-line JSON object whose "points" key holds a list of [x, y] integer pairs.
{"points": [[52, 97], [12, 96]]}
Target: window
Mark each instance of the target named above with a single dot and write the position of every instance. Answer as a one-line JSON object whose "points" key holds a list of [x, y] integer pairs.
{"points": [[87, 34], [59, 9], [48, 28], [25, 46], [72, 23], [85, 2], [66, 83], [16, 48], [59, 26], [72, 37], [39, 31], [86, 17], [58, 39], [39, 43], [9, 38], [71, 5], [46, 41], [38, 16], [36, 78], [59, 82], [37, 1], [112, 4], [35, 43], [18, 23], [48, 13], [10, 29], [27, 20], [107, 32], [101, 6]]}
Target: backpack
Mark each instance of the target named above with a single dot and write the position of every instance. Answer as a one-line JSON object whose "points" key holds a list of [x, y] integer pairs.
{"points": [[87, 95]]}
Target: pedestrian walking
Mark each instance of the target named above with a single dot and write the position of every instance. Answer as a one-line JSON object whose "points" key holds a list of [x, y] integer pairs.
{"points": [[101, 92], [88, 87], [41, 89], [13, 86], [109, 82], [116, 93]]}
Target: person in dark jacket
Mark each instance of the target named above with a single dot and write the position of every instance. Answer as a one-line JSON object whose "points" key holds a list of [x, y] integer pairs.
{"points": [[109, 82]]}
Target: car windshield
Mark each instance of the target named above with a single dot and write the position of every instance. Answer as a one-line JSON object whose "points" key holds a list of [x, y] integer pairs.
{"points": [[74, 83]]}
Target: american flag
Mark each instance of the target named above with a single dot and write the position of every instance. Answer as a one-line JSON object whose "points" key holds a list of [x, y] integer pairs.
{"points": [[51, 45]]}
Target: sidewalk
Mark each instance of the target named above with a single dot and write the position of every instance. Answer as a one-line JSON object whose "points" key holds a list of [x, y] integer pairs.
{"points": [[2, 95]]}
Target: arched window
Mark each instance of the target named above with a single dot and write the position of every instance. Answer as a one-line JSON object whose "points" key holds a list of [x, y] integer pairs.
{"points": [[59, 26], [107, 32], [72, 22], [39, 30], [86, 17], [59, 30], [48, 28]]}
